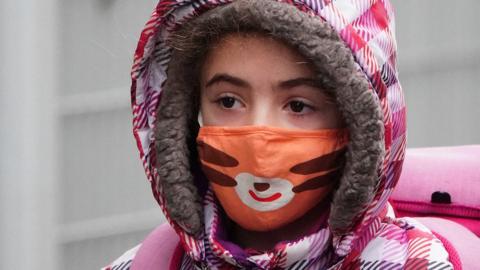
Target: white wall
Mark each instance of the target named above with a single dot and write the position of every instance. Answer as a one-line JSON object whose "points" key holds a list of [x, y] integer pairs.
{"points": [[439, 63], [28, 134], [106, 204]]}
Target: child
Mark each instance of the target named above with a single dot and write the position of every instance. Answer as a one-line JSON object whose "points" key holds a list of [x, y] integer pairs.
{"points": [[273, 133]]}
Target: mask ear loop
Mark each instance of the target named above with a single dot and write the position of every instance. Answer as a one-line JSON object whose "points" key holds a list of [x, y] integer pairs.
{"points": [[200, 119]]}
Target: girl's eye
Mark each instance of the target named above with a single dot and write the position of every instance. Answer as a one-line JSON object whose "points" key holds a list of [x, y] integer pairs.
{"points": [[228, 102], [299, 107]]}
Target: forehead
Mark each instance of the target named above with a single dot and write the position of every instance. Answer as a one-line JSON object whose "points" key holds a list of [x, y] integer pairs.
{"points": [[250, 54]]}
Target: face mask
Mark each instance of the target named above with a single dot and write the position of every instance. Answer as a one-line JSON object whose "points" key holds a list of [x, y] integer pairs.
{"points": [[267, 177]]}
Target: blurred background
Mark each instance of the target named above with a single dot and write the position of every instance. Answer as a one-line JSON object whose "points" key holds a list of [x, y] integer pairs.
{"points": [[73, 194]]}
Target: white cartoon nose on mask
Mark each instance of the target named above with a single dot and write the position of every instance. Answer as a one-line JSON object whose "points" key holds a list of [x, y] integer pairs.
{"points": [[263, 194]]}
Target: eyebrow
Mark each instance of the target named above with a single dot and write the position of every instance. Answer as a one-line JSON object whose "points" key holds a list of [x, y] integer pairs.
{"points": [[222, 77], [298, 82], [288, 84]]}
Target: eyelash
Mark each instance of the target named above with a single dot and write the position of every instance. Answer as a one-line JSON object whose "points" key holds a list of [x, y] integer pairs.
{"points": [[220, 100], [299, 114]]}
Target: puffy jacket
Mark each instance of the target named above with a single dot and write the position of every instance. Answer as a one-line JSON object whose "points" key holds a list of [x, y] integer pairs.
{"points": [[362, 231]]}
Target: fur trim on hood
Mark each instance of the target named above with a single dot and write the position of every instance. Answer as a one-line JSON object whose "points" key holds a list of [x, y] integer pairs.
{"points": [[335, 70]]}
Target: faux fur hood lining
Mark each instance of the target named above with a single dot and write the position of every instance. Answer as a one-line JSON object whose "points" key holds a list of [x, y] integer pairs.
{"points": [[176, 129]]}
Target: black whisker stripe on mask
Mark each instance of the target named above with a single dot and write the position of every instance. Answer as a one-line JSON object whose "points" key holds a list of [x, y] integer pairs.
{"points": [[212, 155], [322, 163], [318, 181], [218, 177]]}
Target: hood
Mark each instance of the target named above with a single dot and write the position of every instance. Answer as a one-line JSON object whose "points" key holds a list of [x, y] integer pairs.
{"points": [[363, 75]]}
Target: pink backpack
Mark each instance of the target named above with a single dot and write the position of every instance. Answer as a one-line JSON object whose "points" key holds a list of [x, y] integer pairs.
{"points": [[442, 182]]}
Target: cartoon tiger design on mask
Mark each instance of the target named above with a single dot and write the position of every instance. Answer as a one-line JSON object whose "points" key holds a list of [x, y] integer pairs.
{"points": [[266, 177]]}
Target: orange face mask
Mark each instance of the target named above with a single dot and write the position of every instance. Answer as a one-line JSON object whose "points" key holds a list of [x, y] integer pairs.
{"points": [[267, 177]]}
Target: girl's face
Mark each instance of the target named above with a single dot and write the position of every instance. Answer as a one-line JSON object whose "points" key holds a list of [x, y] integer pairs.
{"points": [[256, 80], [250, 80]]}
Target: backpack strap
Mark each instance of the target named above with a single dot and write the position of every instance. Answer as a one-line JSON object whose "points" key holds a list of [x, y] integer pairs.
{"points": [[160, 250]]}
